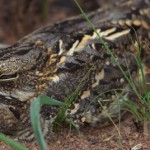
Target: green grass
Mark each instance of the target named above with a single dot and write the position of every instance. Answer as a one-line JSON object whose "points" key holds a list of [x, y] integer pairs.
{"points": [[61, 116], [41, 100], [35, 117], [143, 100], [129, 80], [141, 111], [12, 143], [35, 121]]}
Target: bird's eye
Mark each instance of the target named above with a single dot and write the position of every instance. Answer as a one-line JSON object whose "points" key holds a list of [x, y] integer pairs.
{"points": [[8, 77]]}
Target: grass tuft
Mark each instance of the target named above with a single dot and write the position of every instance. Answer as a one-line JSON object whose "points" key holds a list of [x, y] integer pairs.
{"points": [[141, 108], [35, 117], [62, 112], [12, 143]]}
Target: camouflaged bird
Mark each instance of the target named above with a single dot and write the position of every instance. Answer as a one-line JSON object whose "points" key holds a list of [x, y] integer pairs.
{"points": [[53, 61]]}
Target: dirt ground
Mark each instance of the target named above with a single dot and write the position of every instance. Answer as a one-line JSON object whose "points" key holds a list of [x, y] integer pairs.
{"points": [[96, 138], [90, 138]]}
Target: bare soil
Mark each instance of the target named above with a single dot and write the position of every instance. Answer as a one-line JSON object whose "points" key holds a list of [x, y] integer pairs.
{"points": [[95, 138]]}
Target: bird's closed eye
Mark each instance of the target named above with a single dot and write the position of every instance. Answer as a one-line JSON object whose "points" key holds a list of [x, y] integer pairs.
{"points": [[8, 77]]}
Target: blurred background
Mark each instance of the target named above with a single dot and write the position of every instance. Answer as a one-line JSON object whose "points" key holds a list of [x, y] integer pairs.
{"points": [[20, 17]]}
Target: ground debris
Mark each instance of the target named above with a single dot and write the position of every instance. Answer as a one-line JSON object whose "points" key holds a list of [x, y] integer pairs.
{"points": [[137, 147]]}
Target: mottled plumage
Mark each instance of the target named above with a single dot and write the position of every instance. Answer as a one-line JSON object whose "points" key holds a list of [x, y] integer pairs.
{"points": [[53, 60]]}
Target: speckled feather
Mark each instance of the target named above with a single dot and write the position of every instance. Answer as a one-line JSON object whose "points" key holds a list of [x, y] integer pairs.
{"points": [[54, 59]]}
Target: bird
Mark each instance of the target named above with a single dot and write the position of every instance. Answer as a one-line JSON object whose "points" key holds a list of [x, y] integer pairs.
{"points": [[68, 57]]}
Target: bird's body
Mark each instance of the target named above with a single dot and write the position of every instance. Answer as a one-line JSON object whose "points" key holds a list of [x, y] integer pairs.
{"points": [[56, 59]]}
